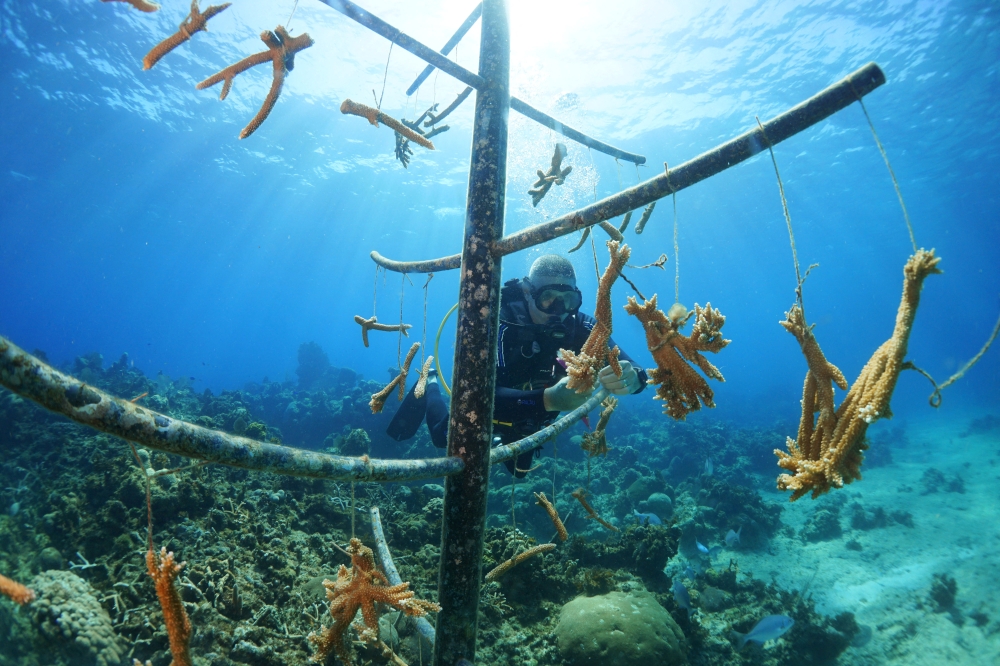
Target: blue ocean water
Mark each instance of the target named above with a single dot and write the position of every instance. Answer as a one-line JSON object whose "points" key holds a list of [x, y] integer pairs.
{"points": [[133, 219]]}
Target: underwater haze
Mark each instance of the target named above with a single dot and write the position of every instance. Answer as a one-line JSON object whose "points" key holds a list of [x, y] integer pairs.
{"points": [[150, 252]]}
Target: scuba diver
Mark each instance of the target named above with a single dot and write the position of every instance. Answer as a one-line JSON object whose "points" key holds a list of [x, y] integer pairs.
{"points": [[539, 315]]}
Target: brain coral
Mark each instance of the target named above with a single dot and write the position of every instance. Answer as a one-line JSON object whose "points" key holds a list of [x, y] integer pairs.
{"points": [[619, 629]]}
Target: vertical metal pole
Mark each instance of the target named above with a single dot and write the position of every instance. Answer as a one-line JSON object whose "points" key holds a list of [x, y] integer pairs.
{"points": [[471, 425]]}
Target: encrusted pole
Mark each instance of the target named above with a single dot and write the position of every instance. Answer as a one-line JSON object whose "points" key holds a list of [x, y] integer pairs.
{"points": [[471, 425]]}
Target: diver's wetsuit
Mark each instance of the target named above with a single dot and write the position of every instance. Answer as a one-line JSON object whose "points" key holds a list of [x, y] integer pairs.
{"points": [[526, 366]]}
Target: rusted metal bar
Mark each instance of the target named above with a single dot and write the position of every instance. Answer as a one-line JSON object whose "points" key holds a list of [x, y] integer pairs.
{"points": [[385, 557], [514, 449], [375, 24], [30, 378], [791, 122], [452, 43], [470, 428]]}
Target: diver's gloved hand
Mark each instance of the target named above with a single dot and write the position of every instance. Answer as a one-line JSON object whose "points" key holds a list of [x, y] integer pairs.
{"points": [[627, 384], [559, 398]]}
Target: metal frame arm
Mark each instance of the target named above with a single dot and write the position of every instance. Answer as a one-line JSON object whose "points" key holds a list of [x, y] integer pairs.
{"points": [[791, 122], [396, 36], [452, 43]]}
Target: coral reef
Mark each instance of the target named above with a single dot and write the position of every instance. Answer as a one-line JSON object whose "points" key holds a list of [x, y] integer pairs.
{"points": [[69, 614], [195, 21], [681, 389], [281, 50], [828, 451], [582, 368], [373, 325], [555, 175], [375, 116]]}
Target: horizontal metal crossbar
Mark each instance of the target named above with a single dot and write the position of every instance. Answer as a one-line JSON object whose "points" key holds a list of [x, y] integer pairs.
{"points": [[791, 122], [396, 36], [35, 380]]}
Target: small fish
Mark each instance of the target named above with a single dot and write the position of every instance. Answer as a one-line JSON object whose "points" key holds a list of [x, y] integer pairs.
{"points": [[646, 518], [709, 467], [14, 509], [681, 596], [689, 573], [705, 550], [771, 627], [733, 537]]}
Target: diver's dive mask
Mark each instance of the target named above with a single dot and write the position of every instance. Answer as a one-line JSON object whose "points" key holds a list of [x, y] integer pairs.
{"points": [[557, 299]]}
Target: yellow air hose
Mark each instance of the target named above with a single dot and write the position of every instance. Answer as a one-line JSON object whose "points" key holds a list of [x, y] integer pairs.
{"points": [[437, 356]]}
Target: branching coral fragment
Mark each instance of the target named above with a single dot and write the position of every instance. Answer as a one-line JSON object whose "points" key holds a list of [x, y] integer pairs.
{"points": [[507, 565], [141, 5], [828, 452], [594, 354], [555, 175], [281, 50], [421, 387], [596, 443], [164, 572], [544, 502], [399, 382], [16, 592], [374, 116], [373, 325], [360, 588], [194, 22], [647, 211], [581, 496], [680, 387]]}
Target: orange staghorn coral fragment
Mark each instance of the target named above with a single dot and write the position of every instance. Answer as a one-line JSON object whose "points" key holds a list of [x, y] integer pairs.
{"points": [[507, 565], [374, 116], [194, 22], [581, 496], [596, 443], [582, 368], [399, 381], [681, 388], [373, 325], [164, 571], [141, 5], [281, 50], [544, 502], [828, 452], [16, 592], [360, 588]]}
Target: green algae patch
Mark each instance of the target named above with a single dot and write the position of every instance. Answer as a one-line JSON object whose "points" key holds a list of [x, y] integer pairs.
{"points": [[619, 629]]}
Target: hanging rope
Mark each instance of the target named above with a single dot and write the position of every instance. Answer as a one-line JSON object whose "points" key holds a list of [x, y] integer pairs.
{"points": [[375, 293], [788, 220], [384, 77], [677, 260], [288, 23], [423, 342], [892, 174], [399, 338], [935, 398]]}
